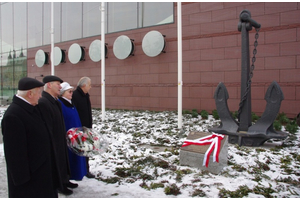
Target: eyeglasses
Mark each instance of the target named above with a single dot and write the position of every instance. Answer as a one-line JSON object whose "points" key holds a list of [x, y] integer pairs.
{"points": [[70, 91]]}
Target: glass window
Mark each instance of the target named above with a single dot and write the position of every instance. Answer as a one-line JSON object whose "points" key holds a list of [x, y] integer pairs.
{"points": [[35, 24], [20, 68], [91, 19], [57, 22], [7, 82], [20, 26], [19, 60], [121, 16], [7, 27], [5, 71], [13, 44], [74, 20], [71, 21], [6, 47], [156, 13], [47, 22]]}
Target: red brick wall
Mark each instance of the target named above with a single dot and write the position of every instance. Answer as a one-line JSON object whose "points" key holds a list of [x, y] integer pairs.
{"points": [[211, 54]]}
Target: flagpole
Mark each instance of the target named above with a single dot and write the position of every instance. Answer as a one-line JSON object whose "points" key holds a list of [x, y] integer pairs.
{"points": [[179, 32], [103, 60], [52, 40]]}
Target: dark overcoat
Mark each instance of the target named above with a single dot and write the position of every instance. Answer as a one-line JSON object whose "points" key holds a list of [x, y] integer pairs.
{"points": [[72, 120], [28, 152], [83, 104], [51, 111]]}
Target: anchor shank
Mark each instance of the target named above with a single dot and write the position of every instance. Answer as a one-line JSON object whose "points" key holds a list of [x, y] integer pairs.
{"points": [[245, 115]]}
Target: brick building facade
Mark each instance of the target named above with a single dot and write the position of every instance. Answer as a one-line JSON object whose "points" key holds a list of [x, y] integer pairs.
{"points": [[211, 47]]}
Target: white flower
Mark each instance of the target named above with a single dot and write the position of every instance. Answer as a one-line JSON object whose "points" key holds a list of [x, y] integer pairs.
{"points": [[90, 142]]}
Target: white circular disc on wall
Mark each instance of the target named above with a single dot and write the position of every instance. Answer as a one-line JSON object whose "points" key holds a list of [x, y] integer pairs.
{"points": [[75, 53], [59, 56], [123, 47], [95, 50], [41, 58], [153, 43]]}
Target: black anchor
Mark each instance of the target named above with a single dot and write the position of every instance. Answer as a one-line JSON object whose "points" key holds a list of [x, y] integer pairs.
{"points": [[243, 132]]}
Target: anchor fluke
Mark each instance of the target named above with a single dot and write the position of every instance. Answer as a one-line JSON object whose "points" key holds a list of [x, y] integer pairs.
{"points": [[228, 124], [264, 125]]}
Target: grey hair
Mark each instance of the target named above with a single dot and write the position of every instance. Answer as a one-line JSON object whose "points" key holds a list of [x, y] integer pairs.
{"points": [[22, 93], [83, 81], [45, 87]]}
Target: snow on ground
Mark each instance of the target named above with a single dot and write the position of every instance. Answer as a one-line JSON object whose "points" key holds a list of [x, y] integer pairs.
{"points": [[142, 161]]}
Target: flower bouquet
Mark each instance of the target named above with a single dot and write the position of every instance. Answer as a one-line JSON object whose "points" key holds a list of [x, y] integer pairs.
{"points": [[86, 142]]}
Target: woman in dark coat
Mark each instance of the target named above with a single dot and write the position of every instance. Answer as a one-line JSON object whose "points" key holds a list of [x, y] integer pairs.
{"points": [[72, 120], [28, 149]]}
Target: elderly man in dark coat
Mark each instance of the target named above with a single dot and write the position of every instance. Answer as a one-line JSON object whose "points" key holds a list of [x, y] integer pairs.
{"points": [[51, 111], [81, 100], [29, 153]]}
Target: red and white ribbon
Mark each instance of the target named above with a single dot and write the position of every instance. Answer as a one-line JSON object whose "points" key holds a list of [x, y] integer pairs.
{"points": [[215, 145]]}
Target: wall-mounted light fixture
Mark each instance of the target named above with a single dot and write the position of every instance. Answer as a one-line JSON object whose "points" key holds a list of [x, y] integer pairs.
{"points": [[41, 58], [95, 50], [76, 53], [59, 56], [153, 43], [123, 47]]}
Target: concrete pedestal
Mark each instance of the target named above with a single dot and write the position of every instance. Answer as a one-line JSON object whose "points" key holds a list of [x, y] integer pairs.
{"points": [[193, 155]]}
